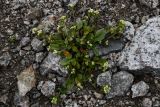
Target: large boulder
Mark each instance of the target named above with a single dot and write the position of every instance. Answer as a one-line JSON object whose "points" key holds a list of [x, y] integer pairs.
{"points": [[143, 53]]}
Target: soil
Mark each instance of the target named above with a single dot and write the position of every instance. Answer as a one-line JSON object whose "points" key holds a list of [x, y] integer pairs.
{"points": [[12, 23]]}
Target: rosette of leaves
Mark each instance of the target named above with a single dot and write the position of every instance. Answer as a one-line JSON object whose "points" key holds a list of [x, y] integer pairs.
{"points": [[73, 42]]}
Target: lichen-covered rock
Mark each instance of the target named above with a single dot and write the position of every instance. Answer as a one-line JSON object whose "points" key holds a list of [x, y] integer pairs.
{"points": [[104, 78], [26, 81], [121, 82], [150, 3], [139, 89], [143, 51], [5, 59], [51, 64], [47, 87]]}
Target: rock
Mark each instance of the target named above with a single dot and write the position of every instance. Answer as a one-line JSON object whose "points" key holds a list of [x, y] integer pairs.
{"points": [[156, 103], [24, 41], [47, 23], [104, 78], [39, 56], [5, 59], [139, 89], [47, 87], [150, 3], [98, 95], [113, 46], [34, 13], [51, 64], [36, 105], [26, 80], [142, 54], [129, 30], [70, 103], [73, 2], [37, 45], [21, 101], [147, 102], [144, 19], [121, 82], [3, 98]]}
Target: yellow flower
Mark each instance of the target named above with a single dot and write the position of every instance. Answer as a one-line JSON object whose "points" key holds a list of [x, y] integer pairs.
{"points": [[79, 85], [39, 32], [34, 30], [90, 10], [106, 89], [96, 12], [63, 17], [71, 5]]}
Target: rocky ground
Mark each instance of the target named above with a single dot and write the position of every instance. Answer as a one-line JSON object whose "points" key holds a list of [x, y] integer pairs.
{"points": [[29, 74]]}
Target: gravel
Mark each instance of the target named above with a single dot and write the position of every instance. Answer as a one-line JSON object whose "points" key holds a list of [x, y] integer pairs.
{"points": [[5, 59], [47, 87]]}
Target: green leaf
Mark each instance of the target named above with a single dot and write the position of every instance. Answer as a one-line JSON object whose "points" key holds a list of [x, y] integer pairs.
{"points": [[79, 24], [100, 35], [87, 30], [69, 83], [79, 77], [66, 61], [96, 51], [74, 48], [54, 47]]}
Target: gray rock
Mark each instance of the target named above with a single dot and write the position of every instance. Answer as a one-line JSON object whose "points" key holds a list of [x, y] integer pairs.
{"points": [[35, 105], [156, 103], [47, 23], [147, 102], [98, 95], [34, 13], [39, 56], [4, 98], [24, 41], [113, 46], [104, 78], [150, 3], [26, 81], [20, 101], [5, 59], [143, 51], [70, 103], [47, 87], [37, 45], [121, 82], [129, 30], [73, 2], [139, 89], [51, 64], [27, 48]]}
